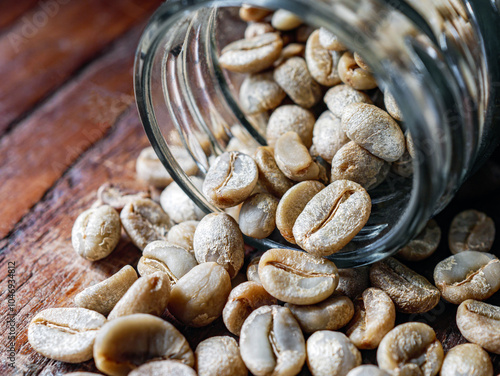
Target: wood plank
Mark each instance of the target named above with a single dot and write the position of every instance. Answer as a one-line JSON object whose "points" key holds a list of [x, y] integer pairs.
{"points": [[43, 49], [10, 11], [38, 151]]}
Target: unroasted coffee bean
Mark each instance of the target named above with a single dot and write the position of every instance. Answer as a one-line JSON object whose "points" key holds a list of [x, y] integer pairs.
{"points": [[149, 294], [243, 300], [259, 93], [332, 218], [103, 296], [219, 356], [367, 370], [258, 28], [258, 215], [96, 232], [177, 204], [339, 97], [242, 141], [321, 62], [290, 50], [294, 77], [161, 256], [292, 204], [424, 245], [249, 13], [163, 367], [353, 282], [328, 136], [468, 275], [355, 163], [65, 334], [253, 270], [293, 158], [270, 176], [284, 20], [471, 230], [375, 130], [404, 165], [479, 323], [251, 55], [182, 234], [411, 349], [218, 238], [467, 359], [331, 353], [117, 196], [272, 343], [374, 318], [297, 277], [353, 75], [330, 41], [127, 342], [198, 298], [330, 314], [362, 64], [410, 292], [290, 118], [391, 106], [145, 221], [231, 179]]}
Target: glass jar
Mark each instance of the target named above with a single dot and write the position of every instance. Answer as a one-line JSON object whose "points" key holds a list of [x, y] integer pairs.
{"points": [[439, 59]]}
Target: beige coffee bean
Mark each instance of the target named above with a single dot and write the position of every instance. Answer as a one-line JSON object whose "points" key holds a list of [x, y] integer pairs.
{"points": [[404, 165], [253, 270], [249, 13], [367, 370], [103, 296], [290, 118], [410, 147], [353, 75], [332, 218], [330, 314], [411, 349], [162, 256], [177, 204], [234, 212], [339, 97], [270, 176], [255, 29], [150, 169], [119, 195], [471, 230], [231, 179], [467, 359], [297, 277], [424, 245], [219, 356], [330, 41], [245, 146], [391, 106], [198, 298], [145, 221], [284, 20], [290, 50], [163, 367], [353, 282], [331, 353], [242, 301], [355, 163], [375, 130], [127, 342], [218, 238], [271, 342], [328, 136], [479, 323], [292, 204], [96, 232], [182, 235], [295, 79], [321, 62], [258, 215], [374, 318], [259, 92], [293, 158], [252, 55], [410, 292], [65, 334], [468, 275], [362, 63]]}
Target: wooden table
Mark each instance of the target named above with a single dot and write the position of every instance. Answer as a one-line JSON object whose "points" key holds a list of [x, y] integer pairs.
{"points": [[68, 124]]}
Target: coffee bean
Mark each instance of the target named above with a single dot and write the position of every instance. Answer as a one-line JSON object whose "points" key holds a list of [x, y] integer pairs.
{"points": [[290, 118], [340, 96], [258, 215], [471, 230], [219, 356], [328, 136], [467, 359], [424, 245], [270, 176], [163, 367], [259, 93], [353, 75], [321, 62]]}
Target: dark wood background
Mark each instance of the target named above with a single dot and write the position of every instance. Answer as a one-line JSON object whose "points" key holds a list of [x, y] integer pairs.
{"points": [[68, 124]]}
